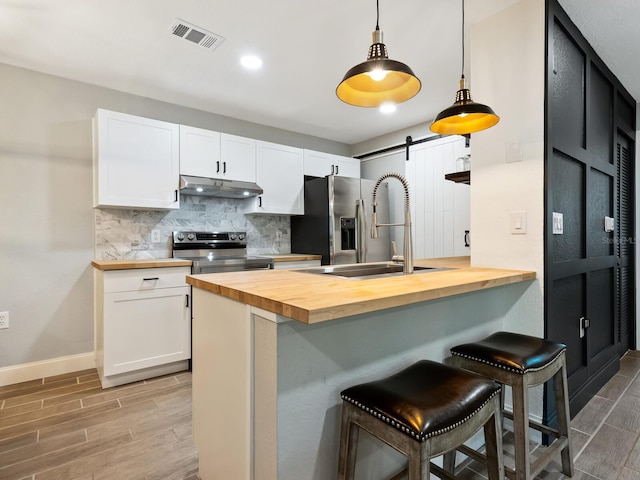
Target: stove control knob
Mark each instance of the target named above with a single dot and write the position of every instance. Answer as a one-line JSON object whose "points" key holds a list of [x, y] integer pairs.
{"points": [[232, 236], [180, 236], [191, 236], [241, 237]]}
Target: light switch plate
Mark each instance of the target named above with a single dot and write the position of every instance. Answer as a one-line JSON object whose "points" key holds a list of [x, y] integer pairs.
{"points": [[558, 223], [513, 151], [609, 224], [518, 222]]}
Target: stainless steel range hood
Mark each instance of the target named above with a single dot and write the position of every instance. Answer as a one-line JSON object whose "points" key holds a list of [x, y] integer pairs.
{"points": [[216, 187]]}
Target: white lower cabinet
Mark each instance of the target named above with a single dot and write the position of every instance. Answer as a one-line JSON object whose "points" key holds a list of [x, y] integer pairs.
{"points": [[143, 323]]}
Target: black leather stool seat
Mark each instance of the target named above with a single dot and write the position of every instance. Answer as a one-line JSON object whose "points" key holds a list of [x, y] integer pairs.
{"points": [[512, 351], [425, 399]]}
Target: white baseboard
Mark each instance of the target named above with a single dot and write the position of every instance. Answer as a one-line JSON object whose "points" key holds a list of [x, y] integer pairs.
{"points": [[46, 368]]}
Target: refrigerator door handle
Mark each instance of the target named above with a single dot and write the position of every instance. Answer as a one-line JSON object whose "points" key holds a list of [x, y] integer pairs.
{"points": [[361, 232]]}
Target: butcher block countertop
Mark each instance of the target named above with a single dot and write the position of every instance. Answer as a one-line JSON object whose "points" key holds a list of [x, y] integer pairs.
{"points": [[146, 263], [312, 298]]}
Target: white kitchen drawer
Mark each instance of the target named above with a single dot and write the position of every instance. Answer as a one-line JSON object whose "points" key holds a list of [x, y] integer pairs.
{"points": [[145, 279]]}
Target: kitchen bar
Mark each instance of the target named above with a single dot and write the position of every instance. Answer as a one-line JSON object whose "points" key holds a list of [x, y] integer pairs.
{"points": [[272, 350]]}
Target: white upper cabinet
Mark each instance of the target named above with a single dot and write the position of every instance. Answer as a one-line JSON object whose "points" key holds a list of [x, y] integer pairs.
{"points": [[199, 152], [205, 153], [280, 174], [135, 162], [238, 155], [320, 164]]}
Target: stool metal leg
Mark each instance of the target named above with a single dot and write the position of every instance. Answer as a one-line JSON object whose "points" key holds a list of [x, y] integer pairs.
{"points": [[520, 396], [493, 444], [348, 444], [449, 461], [562, 406], [418, 465]]}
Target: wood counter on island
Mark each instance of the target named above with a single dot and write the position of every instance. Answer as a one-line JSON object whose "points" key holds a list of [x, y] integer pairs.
{"points": [[272, 350], [312, 298]]}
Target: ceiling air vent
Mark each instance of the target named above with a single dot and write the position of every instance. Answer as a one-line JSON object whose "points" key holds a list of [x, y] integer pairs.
{"points": [[196, 35]]}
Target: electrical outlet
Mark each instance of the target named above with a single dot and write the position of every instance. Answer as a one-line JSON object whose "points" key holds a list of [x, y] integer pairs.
{"points": [[155, 236], [4, 320]]}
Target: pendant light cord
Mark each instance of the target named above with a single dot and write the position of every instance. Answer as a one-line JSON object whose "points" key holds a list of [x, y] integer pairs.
{"points": [[462, 75], [377, 15]]}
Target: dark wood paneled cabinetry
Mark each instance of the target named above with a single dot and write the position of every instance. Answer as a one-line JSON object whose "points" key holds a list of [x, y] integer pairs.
{"points": [[589, 172]]}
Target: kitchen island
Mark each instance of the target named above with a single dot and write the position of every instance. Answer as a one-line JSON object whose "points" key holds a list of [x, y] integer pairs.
{"points": [[273, 349]]}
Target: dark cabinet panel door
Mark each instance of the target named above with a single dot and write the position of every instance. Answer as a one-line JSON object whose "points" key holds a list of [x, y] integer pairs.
{"points": [[589, 299], [567, 301]]}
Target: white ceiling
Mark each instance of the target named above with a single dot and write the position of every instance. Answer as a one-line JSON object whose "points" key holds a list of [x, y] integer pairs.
{"points": [[307, 46]]}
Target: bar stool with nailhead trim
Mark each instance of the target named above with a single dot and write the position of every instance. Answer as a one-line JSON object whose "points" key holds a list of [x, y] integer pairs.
{"points": [[522, 361], [423, 411]]}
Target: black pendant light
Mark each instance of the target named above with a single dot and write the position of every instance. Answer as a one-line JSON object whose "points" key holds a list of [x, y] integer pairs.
{"points": [[378, 79], [464, 116]]}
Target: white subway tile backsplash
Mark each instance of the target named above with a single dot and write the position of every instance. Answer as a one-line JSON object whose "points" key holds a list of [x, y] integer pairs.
{"points": [[126, 234]]}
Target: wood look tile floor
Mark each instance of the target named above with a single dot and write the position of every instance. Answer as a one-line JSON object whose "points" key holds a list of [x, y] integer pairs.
{"points": [[68, 428]]}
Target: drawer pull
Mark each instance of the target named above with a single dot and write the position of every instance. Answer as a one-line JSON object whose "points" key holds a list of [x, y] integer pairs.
{"points": [[150, 278]]}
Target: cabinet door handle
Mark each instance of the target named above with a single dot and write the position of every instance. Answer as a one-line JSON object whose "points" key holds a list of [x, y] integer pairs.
{"points": [[260, 201], [337, 169], [218, 166], [187, 304], [466, 239], [584, 323], [224, 167], [150, 278], [176, 195], [332, 169]]}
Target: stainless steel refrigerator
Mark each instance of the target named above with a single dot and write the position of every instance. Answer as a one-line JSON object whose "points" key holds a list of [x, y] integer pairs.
{"points": [[337, 221]]}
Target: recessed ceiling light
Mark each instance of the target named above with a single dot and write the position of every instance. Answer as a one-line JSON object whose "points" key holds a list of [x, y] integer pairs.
{"points": [[388, 107], [251, 62]]}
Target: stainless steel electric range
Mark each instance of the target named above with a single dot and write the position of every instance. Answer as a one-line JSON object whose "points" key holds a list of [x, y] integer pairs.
{"points": [[214, 252]]}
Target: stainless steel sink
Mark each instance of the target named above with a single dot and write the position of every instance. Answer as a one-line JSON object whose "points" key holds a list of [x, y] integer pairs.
{"points": [[367, 270]]}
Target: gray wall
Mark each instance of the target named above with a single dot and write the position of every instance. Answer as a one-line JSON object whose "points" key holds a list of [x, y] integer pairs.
{"points": [[46, 214]]}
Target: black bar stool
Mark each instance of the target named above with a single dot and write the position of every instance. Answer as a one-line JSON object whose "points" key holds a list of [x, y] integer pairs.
{"points": [[522, 361], [423, 411]]}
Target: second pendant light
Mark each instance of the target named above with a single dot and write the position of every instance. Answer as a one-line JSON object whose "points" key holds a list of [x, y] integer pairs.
{"points": [[464, 116]]}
